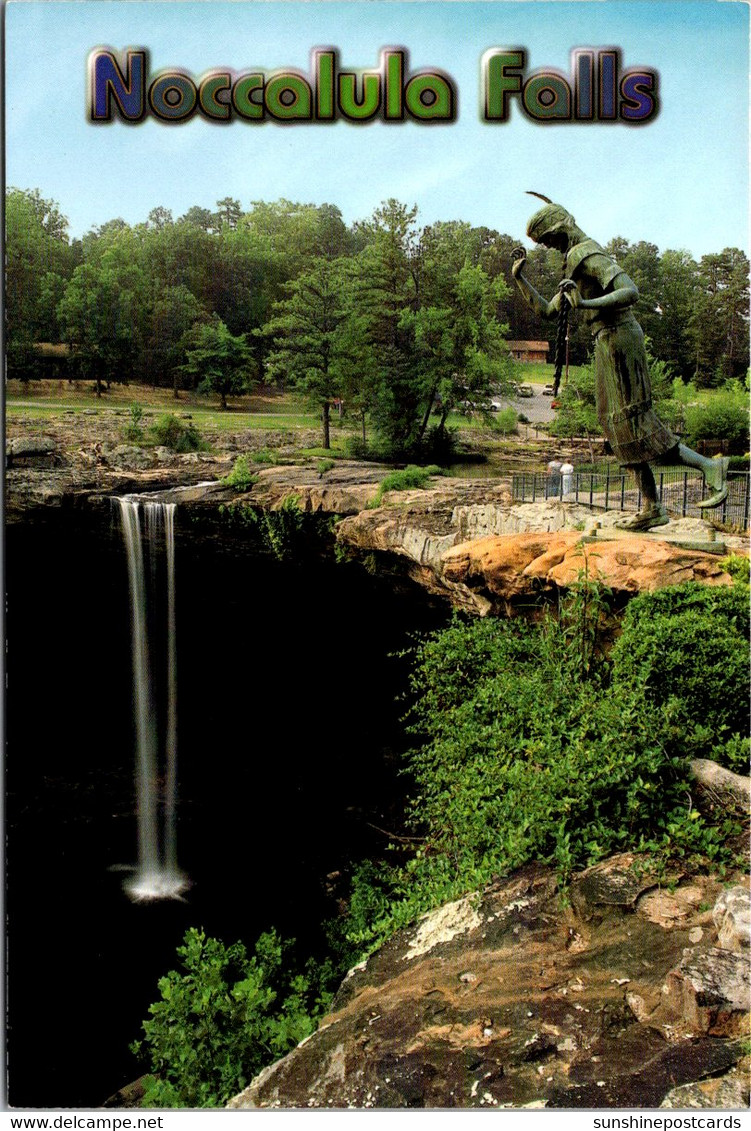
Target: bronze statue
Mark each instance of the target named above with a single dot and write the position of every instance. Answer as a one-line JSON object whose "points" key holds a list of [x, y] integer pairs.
{"points": [[596, 285]]}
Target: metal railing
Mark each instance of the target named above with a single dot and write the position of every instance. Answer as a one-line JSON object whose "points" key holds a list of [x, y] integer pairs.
{"points": [[679, 490]]}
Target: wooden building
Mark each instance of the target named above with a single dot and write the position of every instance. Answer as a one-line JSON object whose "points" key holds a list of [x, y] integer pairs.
{"points": [[529, 351]]}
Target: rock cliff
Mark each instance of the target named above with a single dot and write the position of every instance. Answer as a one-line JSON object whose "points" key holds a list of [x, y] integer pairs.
{"points": [[463, 540], [625, 997]]}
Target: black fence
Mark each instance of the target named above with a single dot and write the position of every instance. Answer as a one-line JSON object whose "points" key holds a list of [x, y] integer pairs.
{"points": [[679, 491]]}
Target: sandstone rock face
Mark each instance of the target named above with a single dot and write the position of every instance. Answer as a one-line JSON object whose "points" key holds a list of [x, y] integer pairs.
{"points": [[710, 993], [507, 999], [30, 447], [346, 488], [496, 571], [723, 1092], [732, 917], [486, 555]]}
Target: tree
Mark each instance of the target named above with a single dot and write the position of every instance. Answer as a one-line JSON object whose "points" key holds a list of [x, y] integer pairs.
{"points": [[217, 361], [671, 336], [228, 211], [173, 314], [39, 261], [384, 287], [104, 311], [719, 321], [309, 349], [200, 218], [160, 217]]}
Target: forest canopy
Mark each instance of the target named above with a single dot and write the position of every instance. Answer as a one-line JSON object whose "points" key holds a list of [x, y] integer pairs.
{"points": [[394, 318]]}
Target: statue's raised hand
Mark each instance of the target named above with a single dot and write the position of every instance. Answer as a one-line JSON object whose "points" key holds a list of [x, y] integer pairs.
{"points": [[519, 258]]}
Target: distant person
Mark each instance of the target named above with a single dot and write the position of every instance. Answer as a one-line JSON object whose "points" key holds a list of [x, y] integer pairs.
{"points": [[596, 285], [567, 478], [554, 478]]}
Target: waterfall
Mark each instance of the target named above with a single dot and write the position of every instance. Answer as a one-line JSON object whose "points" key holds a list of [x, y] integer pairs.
{"points": [[157, 875]]}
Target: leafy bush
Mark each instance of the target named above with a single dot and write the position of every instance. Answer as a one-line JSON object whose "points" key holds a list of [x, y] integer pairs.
{"points": [[439, 444], [223, 1017], [739, 568], [289, 533], [133, 431], [180, 435], [405, 479], [723, 416], [241, 477], [689, 643], [527, 751], [265, 455], [505, 421]]}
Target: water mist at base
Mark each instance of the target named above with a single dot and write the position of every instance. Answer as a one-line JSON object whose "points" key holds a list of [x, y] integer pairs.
{"points": [[157, 875]]}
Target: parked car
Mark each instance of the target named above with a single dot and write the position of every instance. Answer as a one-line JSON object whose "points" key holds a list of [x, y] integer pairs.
{"points": [[525, 391], [548, 391]]}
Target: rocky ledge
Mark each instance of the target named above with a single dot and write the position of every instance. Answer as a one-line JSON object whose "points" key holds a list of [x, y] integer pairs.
{"points": [[629, 995], [461, 539]]}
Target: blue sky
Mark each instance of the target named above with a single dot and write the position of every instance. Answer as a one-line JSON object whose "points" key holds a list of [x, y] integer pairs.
{"points": [[680, 180]]}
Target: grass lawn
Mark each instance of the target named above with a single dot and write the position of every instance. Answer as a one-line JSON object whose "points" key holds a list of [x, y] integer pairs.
{"points": [[41, 399]]}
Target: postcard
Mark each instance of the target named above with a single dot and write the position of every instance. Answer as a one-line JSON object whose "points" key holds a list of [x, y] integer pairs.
{"points": [[364, 361]]}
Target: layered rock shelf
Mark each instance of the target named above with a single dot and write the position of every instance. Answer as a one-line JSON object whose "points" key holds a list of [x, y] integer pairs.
{"points": [[461, 539], [630, 996]]}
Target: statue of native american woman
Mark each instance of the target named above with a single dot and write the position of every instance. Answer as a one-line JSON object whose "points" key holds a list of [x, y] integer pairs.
{"points": [[597, 286]]}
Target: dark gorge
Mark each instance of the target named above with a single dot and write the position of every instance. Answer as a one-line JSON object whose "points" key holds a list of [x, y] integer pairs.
{"points": [[288, 734]]}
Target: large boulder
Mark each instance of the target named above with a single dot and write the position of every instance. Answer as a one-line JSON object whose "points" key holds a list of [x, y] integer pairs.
{"points": [[498, 571], [506, 998]]}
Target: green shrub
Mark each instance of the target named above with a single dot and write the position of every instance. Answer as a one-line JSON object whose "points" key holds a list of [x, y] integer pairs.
{"points": [[289, 533], [723, 416], [133, 431], [739, 568], [180, 435], [505, 421], [265, 455], [241, 477], [527, 751], [689, 643], [404, 480], [223, 1017], [325, 465]]}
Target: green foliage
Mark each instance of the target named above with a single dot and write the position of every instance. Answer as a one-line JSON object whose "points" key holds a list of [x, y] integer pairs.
{"points": [[241, 477], [506, 421], [265, 455], [325, 465], [577, 415], [687, 646], [739, 568], [722, 416], [405, 479], [133, 431], [180, 435], [223, 1016], [309, 347], [528, 751], [217, 361], [289, 534]]}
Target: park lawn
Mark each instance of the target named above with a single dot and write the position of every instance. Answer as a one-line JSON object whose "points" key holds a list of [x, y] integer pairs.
{"points": [[41, 400]]}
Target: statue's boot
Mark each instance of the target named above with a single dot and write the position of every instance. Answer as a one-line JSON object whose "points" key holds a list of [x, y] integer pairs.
{"points": [[719, 480], [653, 515]]}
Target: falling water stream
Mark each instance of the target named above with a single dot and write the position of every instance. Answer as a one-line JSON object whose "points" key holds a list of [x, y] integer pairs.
{"points": [[157, 875]]}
